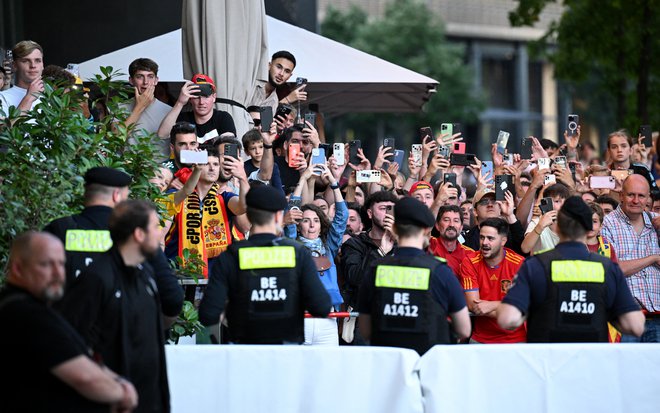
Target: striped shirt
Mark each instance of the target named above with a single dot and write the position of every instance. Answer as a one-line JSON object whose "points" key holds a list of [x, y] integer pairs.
{"points": [[645, 284]]}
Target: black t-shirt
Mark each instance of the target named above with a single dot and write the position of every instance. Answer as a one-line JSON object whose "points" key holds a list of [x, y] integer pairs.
{"points": [[289, 176], [37, 339], [220, 121]]}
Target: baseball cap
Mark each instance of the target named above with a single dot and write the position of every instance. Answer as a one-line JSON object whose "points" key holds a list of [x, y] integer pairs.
{"points": [[420, 185], [202, 79]]}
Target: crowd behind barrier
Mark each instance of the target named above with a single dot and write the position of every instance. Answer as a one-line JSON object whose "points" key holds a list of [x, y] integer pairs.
{"points": [[324, 216]]}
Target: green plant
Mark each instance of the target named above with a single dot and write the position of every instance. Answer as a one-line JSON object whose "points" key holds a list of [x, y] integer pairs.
{"points": [[46, 152], [187, 323]]}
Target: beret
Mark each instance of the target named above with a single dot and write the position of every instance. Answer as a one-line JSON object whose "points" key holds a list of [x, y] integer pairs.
{"points": [[103, 175], [577, 209], [265, 197], [410, 211]]}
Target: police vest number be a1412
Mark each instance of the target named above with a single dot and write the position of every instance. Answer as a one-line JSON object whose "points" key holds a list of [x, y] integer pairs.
{"points": [[401, 306]]}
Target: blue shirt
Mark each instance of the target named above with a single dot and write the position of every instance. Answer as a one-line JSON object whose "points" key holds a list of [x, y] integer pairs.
{"points": [[530, 286]]}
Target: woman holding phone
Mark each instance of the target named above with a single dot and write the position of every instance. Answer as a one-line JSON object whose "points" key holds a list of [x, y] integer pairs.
{"points": [[322, 238]]}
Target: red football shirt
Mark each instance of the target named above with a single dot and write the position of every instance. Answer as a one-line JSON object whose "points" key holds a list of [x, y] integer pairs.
{"points": [[492, 284], [454, 258]]}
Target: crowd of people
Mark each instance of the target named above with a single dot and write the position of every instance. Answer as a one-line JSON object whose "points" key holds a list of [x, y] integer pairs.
{"points": [[554, 244]]}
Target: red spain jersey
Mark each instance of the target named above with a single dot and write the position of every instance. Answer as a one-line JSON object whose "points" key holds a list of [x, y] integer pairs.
{"points": [[454, 258], [492, 284]]}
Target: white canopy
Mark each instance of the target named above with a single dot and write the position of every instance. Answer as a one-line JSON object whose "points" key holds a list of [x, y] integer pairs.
{"points": [[341, 79]]}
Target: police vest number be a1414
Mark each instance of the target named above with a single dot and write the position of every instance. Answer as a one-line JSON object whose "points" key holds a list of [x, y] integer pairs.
{"points": [[268, 291]]}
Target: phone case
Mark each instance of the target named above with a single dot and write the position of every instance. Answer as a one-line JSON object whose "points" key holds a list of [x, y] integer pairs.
{"points": [[544, 163], [572, 124], [458, 147], [526, 148], [602, 182], [318, 156], [353, 152], [424, 132], [416, 151], [503, 183], [370, 175], [231, 150], [266, 117], [451, 178], [550, 179], [502, 140], [447, 128], [338, 153], [193, 157], [294, 150], [398, 157], [546, 205]]}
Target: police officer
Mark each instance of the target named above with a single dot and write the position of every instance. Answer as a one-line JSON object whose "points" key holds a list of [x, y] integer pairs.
{"points": [[405, 299], [86, 236], [569, 294], [264, 284]]}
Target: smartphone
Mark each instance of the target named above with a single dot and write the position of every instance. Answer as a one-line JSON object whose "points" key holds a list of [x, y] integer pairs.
{"points": [[458, 147], [231, 149], [621, 174], [205, 89], [572, 167], [388, 210], [526, 148], [318, 156], [424, 132], [561, 161], [443, 150], [266, 117], [508, 159], [294, 150], [647, 134], [602, 182], [447, 128], [544, 163], [327, 148], [300, 81], [398, 157], [353, 152], [311, 118], [9, 56], [283, 111], [487, 168], [389, 143], [369, 175], [416, 151], [546, 205], [503, 183], [314, 107], [502, 140], [451, 178], [462, 159], [641, 169], [193, 157], [338, 153], [550, 179], [572, 124], [456, 128]]}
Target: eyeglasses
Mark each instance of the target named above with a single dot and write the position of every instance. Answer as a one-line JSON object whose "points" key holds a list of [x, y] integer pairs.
{"points": [[486, 201]]}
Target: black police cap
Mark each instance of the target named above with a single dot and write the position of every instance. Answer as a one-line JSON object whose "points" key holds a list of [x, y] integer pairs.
{"points": [[265, 197], [577, 209], [103, 175], [410, 211]]}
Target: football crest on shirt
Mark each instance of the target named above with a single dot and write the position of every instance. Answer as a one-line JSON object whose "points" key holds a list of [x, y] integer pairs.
{"points": [[505, 285]]}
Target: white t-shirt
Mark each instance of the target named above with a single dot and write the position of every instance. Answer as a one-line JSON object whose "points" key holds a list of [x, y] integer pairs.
{"points": [[13, 97], [547, 240]]}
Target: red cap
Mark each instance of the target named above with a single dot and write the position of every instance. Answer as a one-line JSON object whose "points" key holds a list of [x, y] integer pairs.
{"points": [[420, 185], [200, 79]]}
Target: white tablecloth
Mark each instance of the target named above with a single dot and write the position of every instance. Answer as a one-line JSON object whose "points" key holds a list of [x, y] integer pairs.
{"points": [[542, 378], [288, 379]]}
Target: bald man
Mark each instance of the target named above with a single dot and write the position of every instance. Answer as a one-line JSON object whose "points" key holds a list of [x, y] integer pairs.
{"points": [[634, 235], [49, 363]]}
